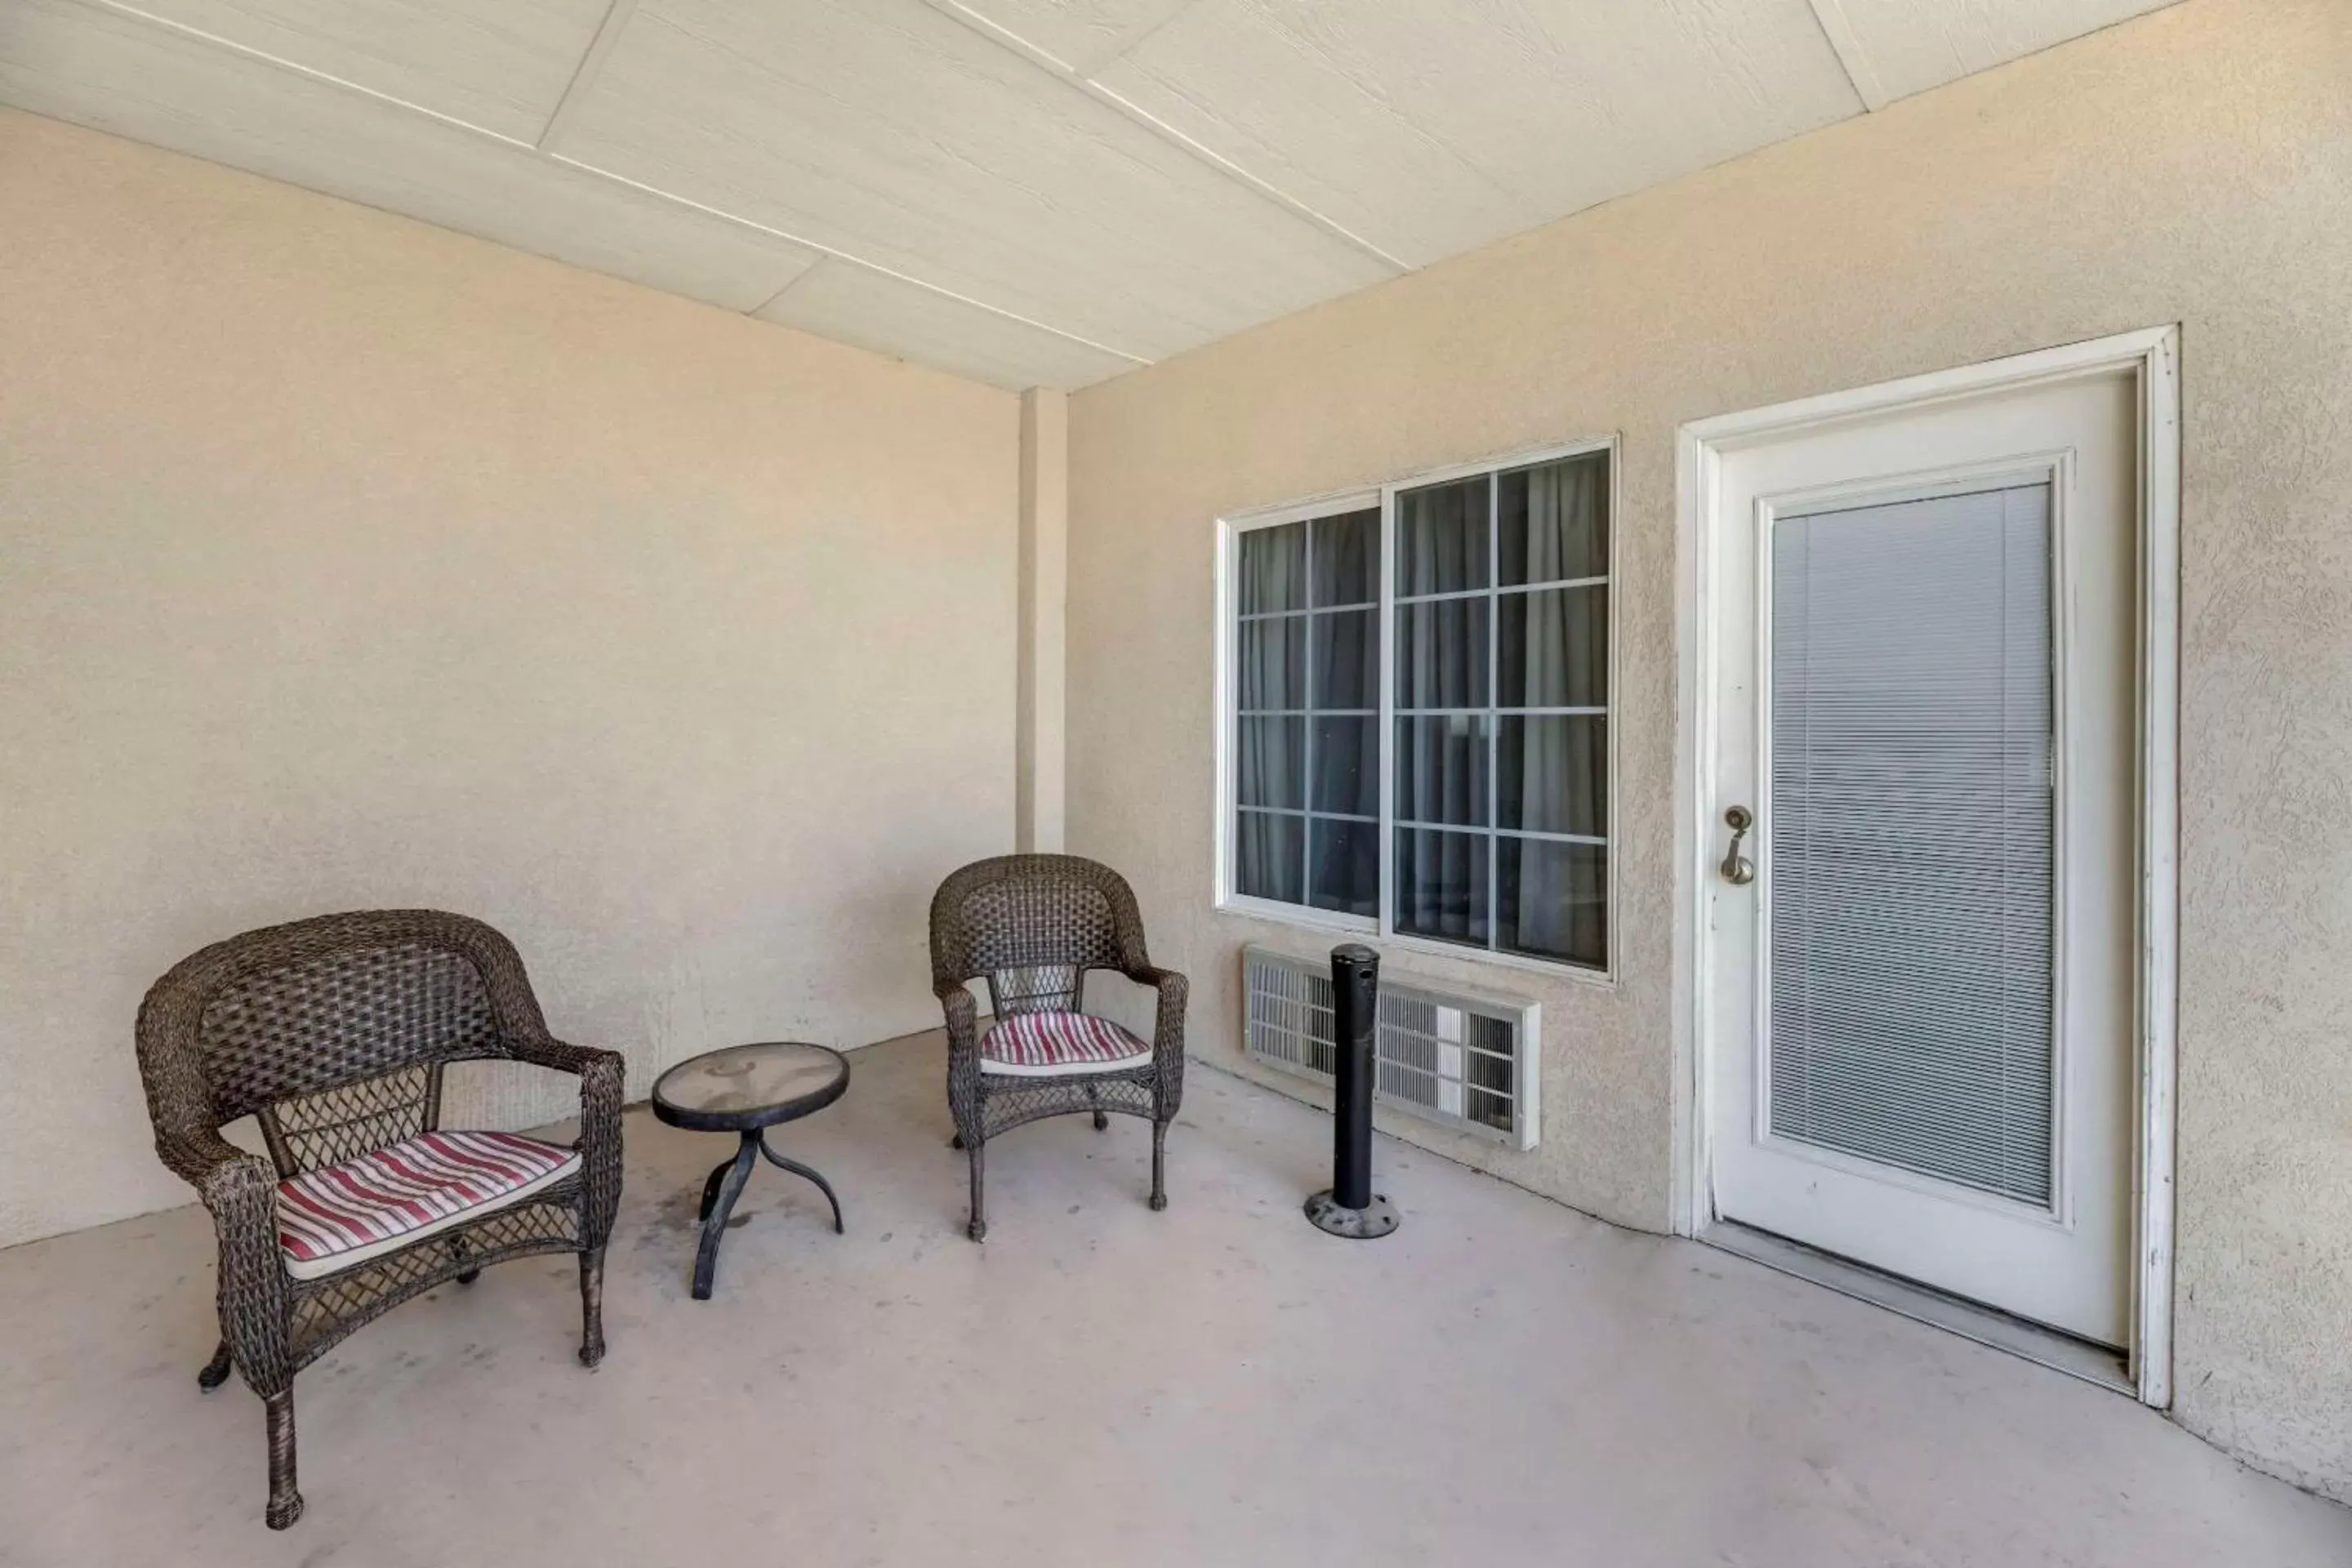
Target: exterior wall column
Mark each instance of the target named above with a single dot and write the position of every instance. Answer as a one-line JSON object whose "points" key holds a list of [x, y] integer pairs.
{"points": [[1038, 706]]}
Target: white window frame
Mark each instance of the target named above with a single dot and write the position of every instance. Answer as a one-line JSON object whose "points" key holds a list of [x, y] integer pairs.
{"points": [[1231, 526]]}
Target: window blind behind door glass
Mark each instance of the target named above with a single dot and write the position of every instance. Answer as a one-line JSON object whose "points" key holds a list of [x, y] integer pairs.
{"points": [[1912, 832]]}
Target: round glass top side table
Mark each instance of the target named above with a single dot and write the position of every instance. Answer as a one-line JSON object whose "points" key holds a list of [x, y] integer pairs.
{"points": [[746, 1089]]}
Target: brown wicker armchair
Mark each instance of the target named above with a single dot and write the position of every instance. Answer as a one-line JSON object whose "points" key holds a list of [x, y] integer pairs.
{"points": [[332, 1033], [1032, 925]]}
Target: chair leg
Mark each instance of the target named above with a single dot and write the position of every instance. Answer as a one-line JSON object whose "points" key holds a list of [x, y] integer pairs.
{"points": [[1102, 1120], [1094, 1098], [285, 1502], [592, 1306], [978, 1229], [1160, 1166], [215, 1372]]}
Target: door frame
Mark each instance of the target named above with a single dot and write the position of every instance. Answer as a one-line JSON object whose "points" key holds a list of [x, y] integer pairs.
{"points": [[2152, 359]]}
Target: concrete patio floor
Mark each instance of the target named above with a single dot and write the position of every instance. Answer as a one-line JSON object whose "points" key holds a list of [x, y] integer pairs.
{"points": [[1504, 1381]]}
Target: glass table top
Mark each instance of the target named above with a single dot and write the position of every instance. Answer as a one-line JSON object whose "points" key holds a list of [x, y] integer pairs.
{"points": [[747, 1085]]}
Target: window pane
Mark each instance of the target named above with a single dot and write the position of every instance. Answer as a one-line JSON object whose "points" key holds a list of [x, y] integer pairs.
{"points": [[1347, 660], [1555, 648], [1347, 866], [1273, 762], [1269, 860], [1442, 654], [1442, 543], [1273, 656], [1552, 774], [1554, 520], [1552, 900], [1441, 884], [1346, 765], [1347, 559], [1274, 569], [1442, 769]]}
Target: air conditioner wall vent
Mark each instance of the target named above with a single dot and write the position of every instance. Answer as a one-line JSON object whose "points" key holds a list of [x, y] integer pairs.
{"points": [[1465, 1060]]}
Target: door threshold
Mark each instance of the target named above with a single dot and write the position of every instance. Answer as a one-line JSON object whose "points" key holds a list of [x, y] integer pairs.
{"points": [[1923, 1304]]}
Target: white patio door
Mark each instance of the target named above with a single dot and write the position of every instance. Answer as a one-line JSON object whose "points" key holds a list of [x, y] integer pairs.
{"points": [[1921, 957]]}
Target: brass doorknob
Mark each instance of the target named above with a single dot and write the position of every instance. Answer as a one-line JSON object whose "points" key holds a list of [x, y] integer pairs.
{"points": [[1738, 868]]}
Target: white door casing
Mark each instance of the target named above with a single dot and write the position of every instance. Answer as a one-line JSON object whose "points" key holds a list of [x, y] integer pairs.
{"points": [[2096, 426]]}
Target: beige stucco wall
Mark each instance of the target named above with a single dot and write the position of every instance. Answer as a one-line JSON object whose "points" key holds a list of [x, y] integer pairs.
{"points": [[2194, 166], [345, 561]]}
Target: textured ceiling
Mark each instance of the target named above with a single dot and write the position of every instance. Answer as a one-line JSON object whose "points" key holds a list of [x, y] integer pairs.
{"points": [[1025, 192]]}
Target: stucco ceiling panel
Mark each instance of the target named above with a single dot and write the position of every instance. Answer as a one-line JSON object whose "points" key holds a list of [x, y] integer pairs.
{"points": [[1434, 127], [98, 68], [887, 130], [502, 67]]}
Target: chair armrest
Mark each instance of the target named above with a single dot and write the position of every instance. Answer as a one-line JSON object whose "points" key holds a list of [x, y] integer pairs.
{"points": [[1167, 1030], [203, 1158], [963, 1014], [240, 1192], [601, 1074], [546, 1051]]}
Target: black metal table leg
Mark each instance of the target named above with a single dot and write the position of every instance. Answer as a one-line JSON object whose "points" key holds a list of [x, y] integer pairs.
{"points": [[719, 1196], [797, 1169]]}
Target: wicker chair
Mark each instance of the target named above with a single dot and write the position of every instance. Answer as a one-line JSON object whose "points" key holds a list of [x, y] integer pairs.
{"points": [[334, 1033], [1032, 925]]}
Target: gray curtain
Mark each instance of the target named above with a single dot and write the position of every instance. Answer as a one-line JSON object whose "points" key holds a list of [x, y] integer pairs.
{"points": [[1270, 739], [1443, 761], [1549, 647], [1555, 655]]}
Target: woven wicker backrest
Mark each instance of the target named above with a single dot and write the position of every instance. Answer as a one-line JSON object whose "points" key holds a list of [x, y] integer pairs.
{"points": [[1032, 925], [331, 1030]]}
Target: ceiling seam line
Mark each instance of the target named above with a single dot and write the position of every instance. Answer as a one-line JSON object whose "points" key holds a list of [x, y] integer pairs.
{"points": [[1142, 38], [690, 203], [794, 282], [1055, 66], [584, 75], [1846, 45], [1240, 175], [246, 51]]}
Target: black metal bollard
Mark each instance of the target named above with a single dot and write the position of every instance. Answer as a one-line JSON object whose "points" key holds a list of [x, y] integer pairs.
{"points": [[1350, 1207]]}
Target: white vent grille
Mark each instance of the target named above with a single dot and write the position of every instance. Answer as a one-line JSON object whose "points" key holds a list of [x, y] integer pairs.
{"points": [[1465, 1060]]}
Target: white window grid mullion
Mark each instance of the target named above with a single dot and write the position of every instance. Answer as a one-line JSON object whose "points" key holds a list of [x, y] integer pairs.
{"points": [[1306, 732], [1494, 701], [1547, 834], [1386, 910], [1602, 581], [1244, 619], [1587, 711]]}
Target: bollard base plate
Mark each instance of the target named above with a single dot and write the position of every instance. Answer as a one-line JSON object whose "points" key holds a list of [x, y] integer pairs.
{"points": [[1377, 1218]]}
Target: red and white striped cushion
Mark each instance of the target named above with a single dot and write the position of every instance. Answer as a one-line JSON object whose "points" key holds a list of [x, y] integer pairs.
{"points": [[337, 1216], [1041, 1045]]}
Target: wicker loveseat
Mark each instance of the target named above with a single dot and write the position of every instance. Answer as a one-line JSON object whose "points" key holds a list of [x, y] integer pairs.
{"points": [[332, 1033]]}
